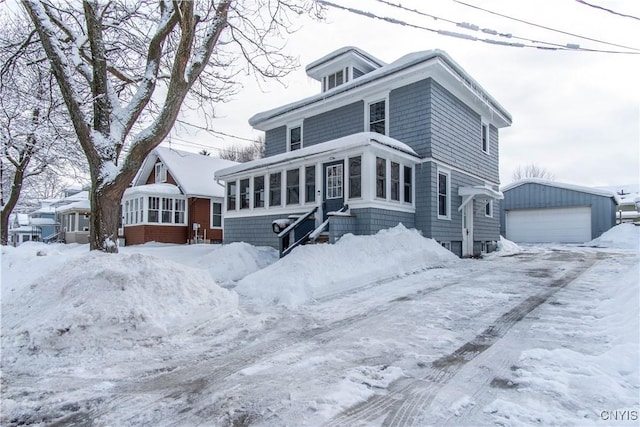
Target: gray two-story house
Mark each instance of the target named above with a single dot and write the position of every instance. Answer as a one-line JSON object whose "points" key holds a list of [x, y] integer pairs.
{"points": [[412, 142]]}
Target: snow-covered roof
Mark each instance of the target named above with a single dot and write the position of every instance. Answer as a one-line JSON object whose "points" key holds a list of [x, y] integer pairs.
{"points": [[348, 53], [194, 173], [43, 221], [589, 190], [80, 205], [404, 63], [158, 188], [335, 145]]}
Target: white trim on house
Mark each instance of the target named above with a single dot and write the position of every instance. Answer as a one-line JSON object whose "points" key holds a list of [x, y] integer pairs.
{"points": [[406, 70], [297, 124], [374, 99], [445, 165], [367, 153], [447, 173]]}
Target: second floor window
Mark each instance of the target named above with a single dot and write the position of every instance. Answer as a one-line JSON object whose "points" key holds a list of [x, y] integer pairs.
{"points": [[161, 172], [377, 117], [484, 134], [295, 138]]}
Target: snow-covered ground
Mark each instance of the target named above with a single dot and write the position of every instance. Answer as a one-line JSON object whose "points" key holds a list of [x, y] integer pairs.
{"points": [[376, 330]]}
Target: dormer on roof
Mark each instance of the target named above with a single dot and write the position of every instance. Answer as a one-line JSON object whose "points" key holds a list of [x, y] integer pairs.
{"points": [[342, 66]]}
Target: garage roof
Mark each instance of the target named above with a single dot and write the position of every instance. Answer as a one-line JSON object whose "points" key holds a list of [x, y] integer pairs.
{"points": [[588, 190]]}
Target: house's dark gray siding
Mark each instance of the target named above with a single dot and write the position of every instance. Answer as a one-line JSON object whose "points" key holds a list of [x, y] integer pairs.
{"points": [[275, 141], [371, 220], [357, 73], [540, 196], [456, 136], [333, 124], [410, 115], [255, 230], [485, 229]]}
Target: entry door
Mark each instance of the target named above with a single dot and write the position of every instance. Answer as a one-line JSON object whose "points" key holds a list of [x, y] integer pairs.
{"points": [[333, 194], [467, 229]]}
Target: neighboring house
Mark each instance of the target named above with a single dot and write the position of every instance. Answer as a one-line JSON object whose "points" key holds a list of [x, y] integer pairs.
{"points": [[174, 199], [21, 230], [73, 213], [538, 211], [56, 220], [412, 142], [629, 204]]}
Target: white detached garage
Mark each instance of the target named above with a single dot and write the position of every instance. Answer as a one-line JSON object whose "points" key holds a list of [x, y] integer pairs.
{"points": [[539, 211]]}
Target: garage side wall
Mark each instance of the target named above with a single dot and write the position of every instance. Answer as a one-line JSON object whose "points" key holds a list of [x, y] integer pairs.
{"points": [[540, 196]]}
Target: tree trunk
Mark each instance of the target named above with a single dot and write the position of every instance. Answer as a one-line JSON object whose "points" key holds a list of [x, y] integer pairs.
{"points": [[105, 217], [8, 207]]}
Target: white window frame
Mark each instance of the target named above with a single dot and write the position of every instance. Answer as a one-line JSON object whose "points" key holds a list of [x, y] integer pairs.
{"points": [[490, 205], [485, 138], [160, 172], [447, 173], [374, 100], [217, 227], [446, 245], [289, 129], [338, 178]]}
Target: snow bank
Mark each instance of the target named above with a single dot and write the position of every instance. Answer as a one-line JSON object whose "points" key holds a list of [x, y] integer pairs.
{"points": [[104, 300], [314, 271], [227, 263], [507, 247], [622, 236]]}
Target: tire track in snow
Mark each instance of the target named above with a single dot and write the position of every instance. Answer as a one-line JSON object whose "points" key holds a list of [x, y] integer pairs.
{"points": [[408, 399]]}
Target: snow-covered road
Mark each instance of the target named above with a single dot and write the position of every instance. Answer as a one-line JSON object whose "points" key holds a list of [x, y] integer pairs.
{"points": [[541, 337]]}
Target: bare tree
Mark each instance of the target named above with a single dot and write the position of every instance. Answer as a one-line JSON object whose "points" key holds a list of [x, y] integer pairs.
{"points": [[244, 153], [35, 136], [125, 68], [532, 171]]}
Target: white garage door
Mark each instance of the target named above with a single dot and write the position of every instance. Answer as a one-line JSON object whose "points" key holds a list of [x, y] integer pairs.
{"points": [[562, 225]]}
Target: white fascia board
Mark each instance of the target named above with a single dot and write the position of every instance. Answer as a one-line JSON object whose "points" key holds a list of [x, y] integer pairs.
{"points": [[581, 189], [435, 64], [341, 146]]}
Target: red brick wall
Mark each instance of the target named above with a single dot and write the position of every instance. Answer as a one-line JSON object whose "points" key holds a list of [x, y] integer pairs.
{"points": [[200, 212], [139, 234]]}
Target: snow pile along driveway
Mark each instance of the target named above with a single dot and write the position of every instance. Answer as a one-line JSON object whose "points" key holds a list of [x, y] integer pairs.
{"points": [[622, 236], [100, 301], [315, 271]]}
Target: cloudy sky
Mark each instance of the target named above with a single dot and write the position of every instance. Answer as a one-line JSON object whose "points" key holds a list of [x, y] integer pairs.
{"points": [[575, 113]]}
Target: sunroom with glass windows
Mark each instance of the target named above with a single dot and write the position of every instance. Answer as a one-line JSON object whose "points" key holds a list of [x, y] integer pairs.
{"points": [[371, 174]]}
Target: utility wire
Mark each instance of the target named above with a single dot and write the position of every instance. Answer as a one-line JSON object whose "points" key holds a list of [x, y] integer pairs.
{"points": [[573, 47], [607, 10], [546, 28], [474, 27], [215, 132]]}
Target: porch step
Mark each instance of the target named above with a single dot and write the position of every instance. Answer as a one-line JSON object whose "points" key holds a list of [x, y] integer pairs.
{"points": [[322, 238]]}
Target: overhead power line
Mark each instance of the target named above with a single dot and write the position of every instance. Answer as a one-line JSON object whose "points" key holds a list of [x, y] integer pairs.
{"points": [[215, 132], [474, 27], [607, 10], [547, 28], [551, 46]]}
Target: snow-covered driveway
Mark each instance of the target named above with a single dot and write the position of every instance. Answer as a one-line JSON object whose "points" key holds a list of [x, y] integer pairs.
{"points": [[546, 336]]}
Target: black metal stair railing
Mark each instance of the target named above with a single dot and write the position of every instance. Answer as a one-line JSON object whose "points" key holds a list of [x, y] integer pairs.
{"points": [[300, 229]]}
